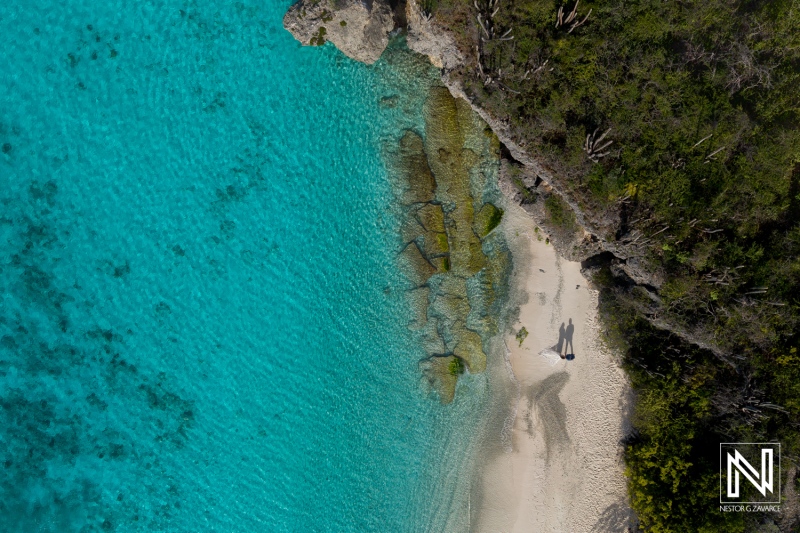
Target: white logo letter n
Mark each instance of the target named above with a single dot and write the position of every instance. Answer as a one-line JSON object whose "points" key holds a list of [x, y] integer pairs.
{"points": [[761, 483]]}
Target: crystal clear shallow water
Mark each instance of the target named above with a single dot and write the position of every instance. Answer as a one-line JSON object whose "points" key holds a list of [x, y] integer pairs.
{"points": [[202, 325]]}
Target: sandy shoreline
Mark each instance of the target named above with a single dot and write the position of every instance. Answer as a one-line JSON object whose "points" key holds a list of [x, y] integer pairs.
{"points": [[557, 464]]}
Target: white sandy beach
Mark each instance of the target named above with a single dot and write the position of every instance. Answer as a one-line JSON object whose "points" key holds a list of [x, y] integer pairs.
{"points": [[560, 468]]}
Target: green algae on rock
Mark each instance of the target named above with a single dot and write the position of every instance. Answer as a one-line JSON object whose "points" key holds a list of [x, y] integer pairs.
{"points": [[431, 216], [438, 370], [417, 267], [420, 184], [487, 219], [449, 255]]}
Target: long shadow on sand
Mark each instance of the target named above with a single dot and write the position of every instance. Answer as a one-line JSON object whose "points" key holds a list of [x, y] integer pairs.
{"points": [[551, 411]]}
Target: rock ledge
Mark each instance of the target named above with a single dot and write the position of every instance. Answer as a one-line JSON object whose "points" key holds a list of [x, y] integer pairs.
{"points": [[359, 29]]}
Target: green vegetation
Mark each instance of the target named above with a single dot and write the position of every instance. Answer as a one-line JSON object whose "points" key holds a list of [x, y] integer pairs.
{"points": [[456, 367], [527, 195], [559, 213], [494, 219], [487, 219], [318, 39], [428, 6], [522, 334], [673, 126], [689, 400], [672, 456], [342, 23]]}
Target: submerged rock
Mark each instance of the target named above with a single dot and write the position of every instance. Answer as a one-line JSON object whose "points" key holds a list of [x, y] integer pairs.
{"points": [[434, 246], [470, 349], [447, 217], [418, 184], [446, 125], [432, 342], [359, 29], [431, 217], [410, 230], [416, 268], [418, 301], [442, 372], [444, 224], [487, 219]]}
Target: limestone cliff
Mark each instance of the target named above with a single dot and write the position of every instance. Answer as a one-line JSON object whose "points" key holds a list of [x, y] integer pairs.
{"points": [[359, 29]]}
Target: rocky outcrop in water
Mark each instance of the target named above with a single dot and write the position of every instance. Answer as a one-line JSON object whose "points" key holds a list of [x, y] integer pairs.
{"points": [[359, 29], [449, 253]]}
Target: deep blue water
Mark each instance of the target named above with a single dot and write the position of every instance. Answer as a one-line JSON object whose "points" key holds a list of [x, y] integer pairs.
{"points": [[202, 325]]}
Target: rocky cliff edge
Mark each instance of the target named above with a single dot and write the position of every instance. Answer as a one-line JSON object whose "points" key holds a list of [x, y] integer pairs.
{"points": [[359, 29]]}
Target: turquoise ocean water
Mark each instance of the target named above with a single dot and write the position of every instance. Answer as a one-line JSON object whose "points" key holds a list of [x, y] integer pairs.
{"points": [[203, 326]]}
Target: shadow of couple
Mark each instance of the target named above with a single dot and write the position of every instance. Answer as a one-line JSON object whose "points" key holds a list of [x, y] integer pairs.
{"points": [[564, 347]]}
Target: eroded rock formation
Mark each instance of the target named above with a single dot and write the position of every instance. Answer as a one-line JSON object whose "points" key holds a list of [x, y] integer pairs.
{"points": [[446, 233], [359, 29]]}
